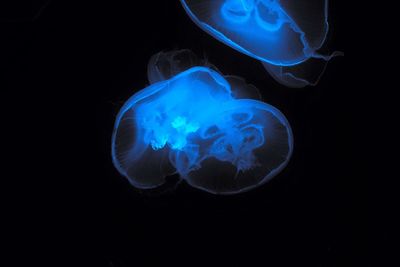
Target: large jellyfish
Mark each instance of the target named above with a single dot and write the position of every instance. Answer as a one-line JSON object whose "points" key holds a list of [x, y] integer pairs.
{"points": [[198, 124], [282, 34]]}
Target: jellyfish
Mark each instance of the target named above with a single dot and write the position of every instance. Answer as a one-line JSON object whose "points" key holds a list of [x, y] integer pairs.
{"points": [[199, 124], [285, 35]]}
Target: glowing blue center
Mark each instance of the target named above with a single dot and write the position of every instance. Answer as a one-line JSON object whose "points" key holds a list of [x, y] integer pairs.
{"points": [[181, 125], [183, 128]]}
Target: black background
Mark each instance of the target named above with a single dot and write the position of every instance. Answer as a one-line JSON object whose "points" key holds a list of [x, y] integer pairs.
{"points": [[69, 66]]}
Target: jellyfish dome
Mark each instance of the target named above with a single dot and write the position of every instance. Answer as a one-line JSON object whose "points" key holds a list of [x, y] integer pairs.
{"points": [[279, 33], [192, 124]]}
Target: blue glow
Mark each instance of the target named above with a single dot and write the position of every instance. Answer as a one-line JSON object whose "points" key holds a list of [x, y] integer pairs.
{"points": [[277, 32], [196, 125]]}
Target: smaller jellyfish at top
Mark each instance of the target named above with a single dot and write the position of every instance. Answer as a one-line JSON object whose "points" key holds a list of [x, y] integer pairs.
{"points": [[285, 35], [193, 121]]}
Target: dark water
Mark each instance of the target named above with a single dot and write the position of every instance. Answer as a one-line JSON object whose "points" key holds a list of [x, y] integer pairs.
{"points": [[70, 67]]}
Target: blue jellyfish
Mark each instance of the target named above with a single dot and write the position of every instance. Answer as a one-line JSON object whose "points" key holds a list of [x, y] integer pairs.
{"points": [[282, 34], [200, 126]]}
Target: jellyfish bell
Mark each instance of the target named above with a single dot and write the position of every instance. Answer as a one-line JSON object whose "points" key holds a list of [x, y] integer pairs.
{"points": [[280, 33], [193, 124], [259, 28], [200, 125]]}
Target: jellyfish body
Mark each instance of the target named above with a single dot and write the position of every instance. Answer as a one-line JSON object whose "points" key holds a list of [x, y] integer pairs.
{"points": [[279, 33], [193, 125]]}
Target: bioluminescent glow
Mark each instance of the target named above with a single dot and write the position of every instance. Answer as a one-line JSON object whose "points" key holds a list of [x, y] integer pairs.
{"points": [[279, 33], [194, 124]]}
